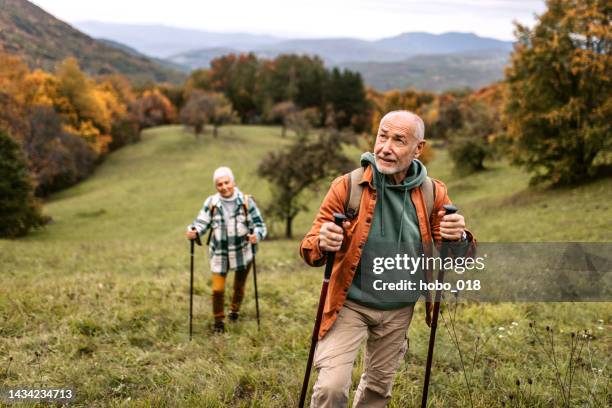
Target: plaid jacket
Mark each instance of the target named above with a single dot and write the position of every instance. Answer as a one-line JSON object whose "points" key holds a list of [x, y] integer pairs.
{"points": [[229, 247]]}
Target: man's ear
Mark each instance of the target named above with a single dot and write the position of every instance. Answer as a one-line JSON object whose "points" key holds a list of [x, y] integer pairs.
{"points": [[419, 149]]}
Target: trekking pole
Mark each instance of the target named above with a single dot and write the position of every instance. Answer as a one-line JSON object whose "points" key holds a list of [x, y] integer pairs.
{"points": [[255, 283], [338, 219], [450, 209], [197, 240]]}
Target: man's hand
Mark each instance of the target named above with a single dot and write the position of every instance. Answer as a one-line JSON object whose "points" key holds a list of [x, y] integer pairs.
{"points": [[331, 236], [452, 226], [252, 238], [191, 235]]}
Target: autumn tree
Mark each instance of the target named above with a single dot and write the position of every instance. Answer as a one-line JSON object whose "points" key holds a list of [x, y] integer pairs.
{"points": [[281, 113], [206, 107], [223, 114], [19, 209], [195, 112], [154, 109], [13, 94], [299, 167], [87, 109], [444, 116], [303, 121], [558, 103], [236, 77], [470, 144]]}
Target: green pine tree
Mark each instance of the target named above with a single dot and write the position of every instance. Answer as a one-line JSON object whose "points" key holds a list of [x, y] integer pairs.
{"points": [[19, 209]]}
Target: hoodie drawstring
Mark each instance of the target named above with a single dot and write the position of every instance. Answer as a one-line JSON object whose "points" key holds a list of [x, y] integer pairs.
{"points": [[399, 237], [382, 200]]}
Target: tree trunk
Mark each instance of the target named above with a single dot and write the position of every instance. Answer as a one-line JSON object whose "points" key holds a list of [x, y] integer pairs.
{"points": [[288, 232]]}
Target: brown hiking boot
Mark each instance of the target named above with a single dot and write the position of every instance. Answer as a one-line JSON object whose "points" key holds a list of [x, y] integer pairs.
{"points": [[233, 316], [219, 327]]}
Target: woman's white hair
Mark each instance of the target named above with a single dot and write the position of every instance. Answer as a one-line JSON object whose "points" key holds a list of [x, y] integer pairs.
{"points": [[222, 172]]}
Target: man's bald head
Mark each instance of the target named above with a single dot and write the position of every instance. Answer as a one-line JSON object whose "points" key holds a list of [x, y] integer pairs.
{"points": [[405, 119], [400, 140]]}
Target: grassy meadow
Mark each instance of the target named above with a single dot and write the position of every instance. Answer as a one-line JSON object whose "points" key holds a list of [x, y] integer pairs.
{"points": [[98, 300]]}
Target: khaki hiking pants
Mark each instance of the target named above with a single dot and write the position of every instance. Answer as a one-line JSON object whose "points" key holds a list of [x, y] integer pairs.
{"points": [[335, 355], [218, 292]]}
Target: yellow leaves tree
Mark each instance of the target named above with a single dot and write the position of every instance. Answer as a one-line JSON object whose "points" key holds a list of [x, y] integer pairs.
{"points": [[557, 101], [89, 110]]}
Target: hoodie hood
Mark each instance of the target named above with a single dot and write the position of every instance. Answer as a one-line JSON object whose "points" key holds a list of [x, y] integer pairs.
{"points": [[417, 173], [393, 196]]}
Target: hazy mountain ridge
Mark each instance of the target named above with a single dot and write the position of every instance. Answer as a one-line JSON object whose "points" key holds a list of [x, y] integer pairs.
{"points": [[435, 72], [164, 41], [43, 41], [417, 59]]}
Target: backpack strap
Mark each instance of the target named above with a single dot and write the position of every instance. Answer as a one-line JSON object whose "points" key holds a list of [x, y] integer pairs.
{"points": [[245, 208], [353, 198], [428, 189], [355, 190], [213, 207]]}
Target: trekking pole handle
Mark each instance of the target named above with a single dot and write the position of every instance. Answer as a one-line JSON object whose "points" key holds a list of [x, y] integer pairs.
{"points": [[450, 209], [197, 238], [338, 220]]}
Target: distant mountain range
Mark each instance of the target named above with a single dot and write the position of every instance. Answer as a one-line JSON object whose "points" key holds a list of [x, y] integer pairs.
{"points": [[473, 69], [163, 41], [421, 60], [155, 52], [43, 41], [184, 46]]}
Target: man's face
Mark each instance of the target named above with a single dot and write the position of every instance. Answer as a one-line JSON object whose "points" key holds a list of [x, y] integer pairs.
{"points": [[225, 186], [396, 145]]}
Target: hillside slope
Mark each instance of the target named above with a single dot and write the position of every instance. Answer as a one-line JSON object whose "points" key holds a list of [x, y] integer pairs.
{"points": [[99, 300], [43, 41], [473, 69]]}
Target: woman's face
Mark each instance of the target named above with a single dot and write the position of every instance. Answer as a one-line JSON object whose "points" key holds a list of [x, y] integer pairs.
{"points": [[225, 186]]}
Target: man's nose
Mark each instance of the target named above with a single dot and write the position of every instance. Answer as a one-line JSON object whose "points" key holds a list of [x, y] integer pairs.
{"points": [[387, 146]]}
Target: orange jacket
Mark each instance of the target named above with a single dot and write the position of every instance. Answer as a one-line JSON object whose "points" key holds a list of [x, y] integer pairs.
{"points": [[356, 236]]}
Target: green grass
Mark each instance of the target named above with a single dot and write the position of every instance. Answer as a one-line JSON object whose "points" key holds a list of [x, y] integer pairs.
{"points": [[98, 300]]}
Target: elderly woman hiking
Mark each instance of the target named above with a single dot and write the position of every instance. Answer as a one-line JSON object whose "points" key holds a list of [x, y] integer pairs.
{"points": [[236, 225]]}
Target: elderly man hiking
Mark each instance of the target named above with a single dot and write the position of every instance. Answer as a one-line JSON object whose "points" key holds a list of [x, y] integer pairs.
{"points": [[236, 225], [398, 203]]}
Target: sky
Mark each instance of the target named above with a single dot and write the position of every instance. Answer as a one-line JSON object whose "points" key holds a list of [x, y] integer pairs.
{"points": [[366, 19]]}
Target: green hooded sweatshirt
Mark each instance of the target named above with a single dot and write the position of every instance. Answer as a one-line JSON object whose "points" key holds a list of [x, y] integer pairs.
{"points": [[394, 221]]}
